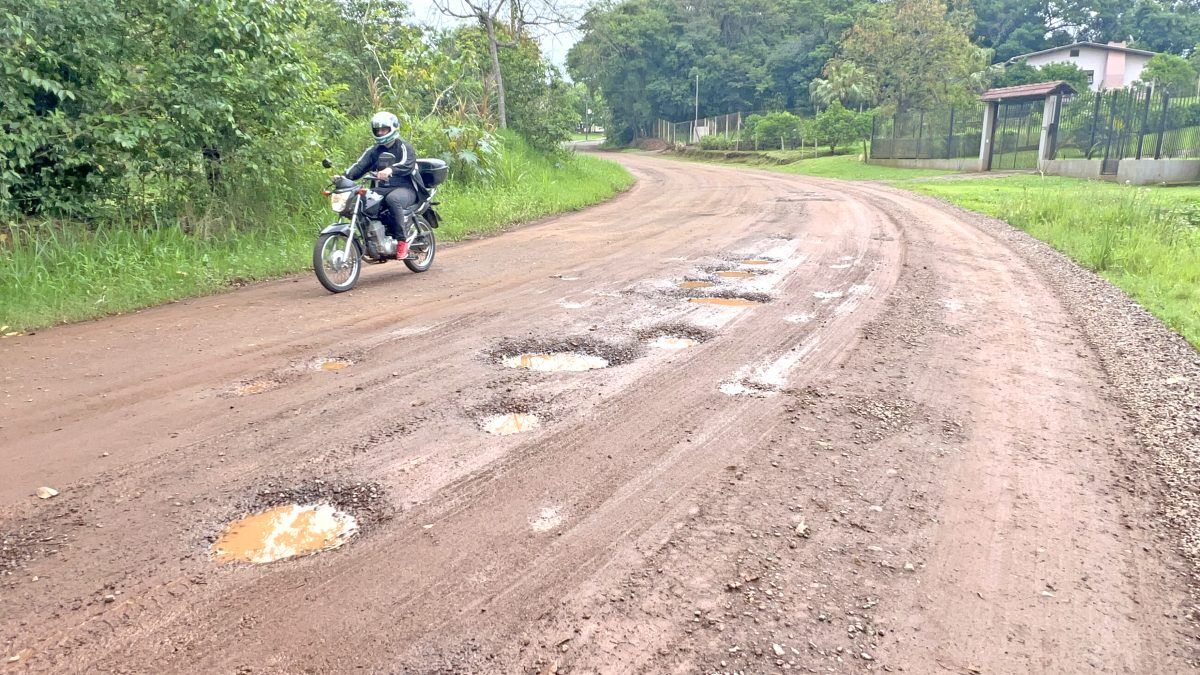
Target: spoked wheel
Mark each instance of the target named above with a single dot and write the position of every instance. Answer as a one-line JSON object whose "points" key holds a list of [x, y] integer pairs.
{"points": [[423, 246], [337, 271]]}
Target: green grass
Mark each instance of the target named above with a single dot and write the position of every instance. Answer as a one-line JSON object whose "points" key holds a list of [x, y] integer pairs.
{"points": [[53, 272], [594, 136], [848, 167], [1145, 240]]}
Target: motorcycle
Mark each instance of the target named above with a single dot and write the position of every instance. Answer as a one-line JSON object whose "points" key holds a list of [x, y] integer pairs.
{"points": [[342, 246]]}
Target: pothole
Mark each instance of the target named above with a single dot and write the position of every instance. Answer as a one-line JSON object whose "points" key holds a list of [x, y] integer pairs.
{"points": [[673, 343], [744, 388], [736, 274], [575, 354], [510, 423], [725, 302], [674, 335], [759, 261], [283, 532], [556, 362], [333, 364], [256, 386], [696, 284], [548, 518]]}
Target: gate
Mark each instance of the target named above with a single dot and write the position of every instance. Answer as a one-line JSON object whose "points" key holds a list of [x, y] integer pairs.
{"points": [[1015, 135]]}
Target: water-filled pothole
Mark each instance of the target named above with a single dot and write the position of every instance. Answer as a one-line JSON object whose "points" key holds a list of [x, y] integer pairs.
{"points": [[673, 343], [556, 362], [725, 302], [696, 284], [511, 423], [284, 532], [735, 274], [758, 261], [574, 354], [333, 364]]}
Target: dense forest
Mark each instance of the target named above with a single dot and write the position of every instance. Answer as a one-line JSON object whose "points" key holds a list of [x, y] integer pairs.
{"points": [[644, 56]]}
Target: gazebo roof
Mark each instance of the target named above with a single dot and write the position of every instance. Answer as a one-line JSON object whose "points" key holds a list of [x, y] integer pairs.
{"points": [[1026, 92]]}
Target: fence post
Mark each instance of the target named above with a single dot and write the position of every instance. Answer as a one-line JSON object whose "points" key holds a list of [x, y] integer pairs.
{"points": [[950, 137], [920, 132], [1145, 122], [1162, 125], [873, 123], [1095, 120]]}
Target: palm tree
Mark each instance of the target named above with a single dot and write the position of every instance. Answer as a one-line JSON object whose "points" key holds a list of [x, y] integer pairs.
{"points": [[844, 81]]}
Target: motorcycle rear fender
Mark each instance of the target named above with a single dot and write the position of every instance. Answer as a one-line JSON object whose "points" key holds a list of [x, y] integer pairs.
{"points": [[432, 217], [341, 228]]}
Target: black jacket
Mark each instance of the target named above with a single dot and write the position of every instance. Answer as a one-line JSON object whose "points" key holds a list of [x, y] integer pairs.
{"points": [[406, 161]]}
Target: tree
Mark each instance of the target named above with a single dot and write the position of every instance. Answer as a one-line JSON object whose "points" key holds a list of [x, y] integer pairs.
{"points": [[750, 54], [1170, 73], [1023, 73], [836, 126], [776, 127], [845, 82], [918, 52]]}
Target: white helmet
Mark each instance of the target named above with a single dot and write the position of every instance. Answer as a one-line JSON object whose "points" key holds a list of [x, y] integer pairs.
{"points": [[385, 127]]}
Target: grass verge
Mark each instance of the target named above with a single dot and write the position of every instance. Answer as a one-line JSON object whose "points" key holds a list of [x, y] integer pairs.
{"points": [[55, 272], [1145, 240]]}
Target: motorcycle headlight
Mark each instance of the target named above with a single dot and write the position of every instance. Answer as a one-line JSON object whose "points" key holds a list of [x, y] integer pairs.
{"points": [[338, 200]]}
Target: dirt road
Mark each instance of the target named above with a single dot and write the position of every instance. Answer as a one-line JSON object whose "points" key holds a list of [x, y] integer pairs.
{"points": [[891, 447]]}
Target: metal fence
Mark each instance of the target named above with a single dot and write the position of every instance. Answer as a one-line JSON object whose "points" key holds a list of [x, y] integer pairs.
{"points": [[1127, 124], [948, 133], [725, 132]]}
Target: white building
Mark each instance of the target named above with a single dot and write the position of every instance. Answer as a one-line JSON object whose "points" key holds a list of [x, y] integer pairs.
{"points": [[1110, 66]]}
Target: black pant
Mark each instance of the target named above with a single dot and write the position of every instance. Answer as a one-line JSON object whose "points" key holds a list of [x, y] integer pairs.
{"points": [[400, 201]]}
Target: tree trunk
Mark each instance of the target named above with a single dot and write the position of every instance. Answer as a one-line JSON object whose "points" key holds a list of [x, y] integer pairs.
{"points": [[496, 76]]}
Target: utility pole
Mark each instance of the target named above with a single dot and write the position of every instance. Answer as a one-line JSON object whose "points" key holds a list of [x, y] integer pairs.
{"points": [[696, 119]]}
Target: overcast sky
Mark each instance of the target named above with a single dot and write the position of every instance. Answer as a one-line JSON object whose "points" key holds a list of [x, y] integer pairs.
{"points": [[554, 47]]}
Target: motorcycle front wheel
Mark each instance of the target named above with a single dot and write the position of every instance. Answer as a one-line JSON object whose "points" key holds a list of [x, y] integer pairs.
{"points": [[423, 246], [337, 271]]}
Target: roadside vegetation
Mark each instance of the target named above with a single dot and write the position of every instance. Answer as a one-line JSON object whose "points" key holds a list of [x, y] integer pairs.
{"points": [[66, 270], [178, 148]]}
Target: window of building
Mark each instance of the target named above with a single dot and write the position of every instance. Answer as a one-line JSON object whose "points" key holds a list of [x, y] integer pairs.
{"points": [[1091, 76], [1074, 52]]}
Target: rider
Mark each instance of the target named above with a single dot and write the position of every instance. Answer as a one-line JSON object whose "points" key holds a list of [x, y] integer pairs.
{"points": [[394, 182]]}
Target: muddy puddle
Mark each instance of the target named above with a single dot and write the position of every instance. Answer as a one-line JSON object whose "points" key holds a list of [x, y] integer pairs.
{"points": [[511, 423], [735, 274], [696, 284], [557, 362], [673, 343], [331, 365], [283, 532], [725, 302]]}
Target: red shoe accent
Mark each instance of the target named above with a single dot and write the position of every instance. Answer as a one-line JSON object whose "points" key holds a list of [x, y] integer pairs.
{"points": [[401, 250]]}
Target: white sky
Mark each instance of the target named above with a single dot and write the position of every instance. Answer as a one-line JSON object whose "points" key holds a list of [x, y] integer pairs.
{"points": [[554, 47]]}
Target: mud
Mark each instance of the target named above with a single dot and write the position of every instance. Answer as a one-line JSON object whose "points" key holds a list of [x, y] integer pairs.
{"points": [[284, 532], [950, 502]]}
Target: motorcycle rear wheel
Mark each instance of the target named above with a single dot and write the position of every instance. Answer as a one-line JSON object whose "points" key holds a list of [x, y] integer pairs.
{"points": [[423, 247], [336, 271]]}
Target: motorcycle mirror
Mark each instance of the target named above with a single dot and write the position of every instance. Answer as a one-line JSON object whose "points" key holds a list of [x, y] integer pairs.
{"points": [[326, 163], [385, 160]]}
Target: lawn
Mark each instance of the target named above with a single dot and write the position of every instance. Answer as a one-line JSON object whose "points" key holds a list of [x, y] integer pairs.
{"points": [[1145, 240]]}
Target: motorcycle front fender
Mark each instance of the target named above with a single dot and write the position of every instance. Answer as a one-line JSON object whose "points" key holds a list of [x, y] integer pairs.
{"points": [[341, 228]]}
